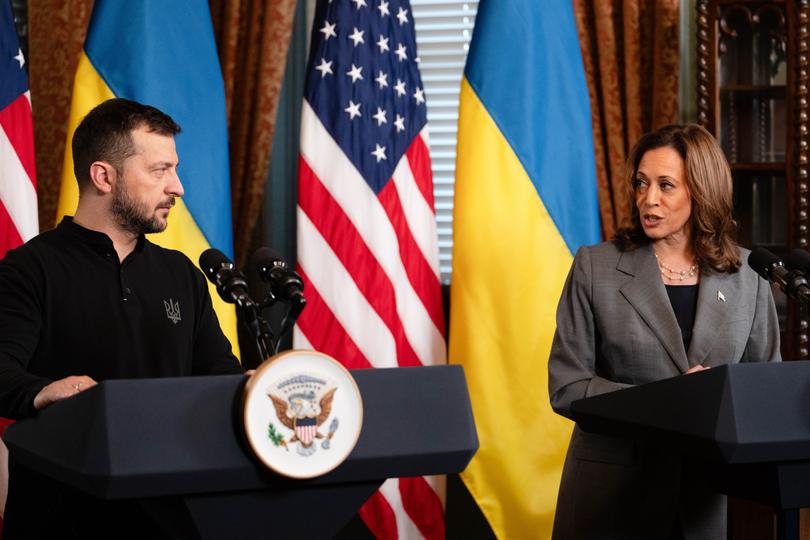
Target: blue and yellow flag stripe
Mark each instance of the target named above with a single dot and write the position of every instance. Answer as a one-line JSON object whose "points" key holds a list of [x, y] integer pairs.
{"points": [[163, 54], [525, 201], [525, 65]]}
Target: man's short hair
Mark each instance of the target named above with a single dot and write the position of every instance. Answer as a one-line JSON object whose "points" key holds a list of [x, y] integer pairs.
{"points": [[105, 134]]}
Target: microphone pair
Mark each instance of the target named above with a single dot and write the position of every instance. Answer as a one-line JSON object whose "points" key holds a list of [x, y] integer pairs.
{"points": [[285, 284], [792, 279]]}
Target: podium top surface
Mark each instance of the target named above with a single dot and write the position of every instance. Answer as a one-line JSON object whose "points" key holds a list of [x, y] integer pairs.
{"points": [[739, 413], [151, 437]]}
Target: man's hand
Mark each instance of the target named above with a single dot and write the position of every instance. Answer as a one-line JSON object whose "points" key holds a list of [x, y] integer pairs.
{"points": [[61, 389], [695, 369]]}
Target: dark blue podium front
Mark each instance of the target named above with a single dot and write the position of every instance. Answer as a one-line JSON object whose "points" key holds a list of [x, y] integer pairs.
{"points": [[182, 437]]}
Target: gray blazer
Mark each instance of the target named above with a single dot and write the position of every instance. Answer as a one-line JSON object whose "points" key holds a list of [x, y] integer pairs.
{"points": [[616, 328]]}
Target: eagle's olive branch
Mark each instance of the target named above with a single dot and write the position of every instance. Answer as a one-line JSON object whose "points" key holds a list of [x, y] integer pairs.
{"points": [[275, 437]]}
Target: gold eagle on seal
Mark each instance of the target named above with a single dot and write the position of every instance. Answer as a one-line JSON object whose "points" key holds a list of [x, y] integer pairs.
{"points": [[304, 415]]}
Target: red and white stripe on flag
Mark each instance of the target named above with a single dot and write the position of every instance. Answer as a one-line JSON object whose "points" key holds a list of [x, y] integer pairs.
{"points": [[18, 195], [367, 242]]}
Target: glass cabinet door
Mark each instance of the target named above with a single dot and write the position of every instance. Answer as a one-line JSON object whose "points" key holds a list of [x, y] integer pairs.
{"points": [[751, 78]]}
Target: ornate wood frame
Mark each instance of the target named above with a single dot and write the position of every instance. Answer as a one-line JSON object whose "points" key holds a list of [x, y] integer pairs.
{"points": [[799, 37]]}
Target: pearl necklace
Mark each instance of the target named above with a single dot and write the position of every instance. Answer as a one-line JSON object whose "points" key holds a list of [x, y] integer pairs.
{"points": [[672, 274]]}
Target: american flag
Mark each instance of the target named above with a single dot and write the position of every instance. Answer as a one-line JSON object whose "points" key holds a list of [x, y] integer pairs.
{"points": [[367, 244], [18, 184]]}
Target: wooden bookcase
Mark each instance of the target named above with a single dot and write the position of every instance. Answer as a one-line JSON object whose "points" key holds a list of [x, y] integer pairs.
{"points": [[752, 94]]}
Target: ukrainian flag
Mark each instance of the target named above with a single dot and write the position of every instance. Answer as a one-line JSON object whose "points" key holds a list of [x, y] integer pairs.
{"points": [[525, 201], [163, 54]]}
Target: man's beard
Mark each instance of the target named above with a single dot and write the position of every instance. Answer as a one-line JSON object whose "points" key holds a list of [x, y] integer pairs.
{"points": [[134, 217]]}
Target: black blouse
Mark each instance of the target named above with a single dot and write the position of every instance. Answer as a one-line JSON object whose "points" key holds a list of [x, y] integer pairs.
{"points": [[684, 303]]}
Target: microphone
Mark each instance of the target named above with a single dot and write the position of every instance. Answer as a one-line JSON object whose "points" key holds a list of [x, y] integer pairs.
{"points": [[768, 265], [231, 283], [285, 284]]}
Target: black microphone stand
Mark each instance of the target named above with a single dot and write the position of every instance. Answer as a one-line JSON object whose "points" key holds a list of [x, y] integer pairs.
{"points": [[259, 329], [294, 309], [266, 342]]}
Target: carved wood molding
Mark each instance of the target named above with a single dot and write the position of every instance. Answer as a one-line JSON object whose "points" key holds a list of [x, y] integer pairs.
{"points": [[801, 117], [704, 63], [800, 134]]}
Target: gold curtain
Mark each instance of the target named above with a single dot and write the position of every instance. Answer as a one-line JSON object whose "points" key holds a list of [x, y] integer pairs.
{"points": [[630, 53], [253, 37]]}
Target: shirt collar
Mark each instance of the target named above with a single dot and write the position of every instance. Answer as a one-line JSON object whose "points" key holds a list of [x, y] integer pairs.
{"points": [[95, 239]]}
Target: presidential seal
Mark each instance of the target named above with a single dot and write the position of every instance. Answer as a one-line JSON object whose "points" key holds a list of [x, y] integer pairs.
{"points": [[303, 403], [303, 413]]}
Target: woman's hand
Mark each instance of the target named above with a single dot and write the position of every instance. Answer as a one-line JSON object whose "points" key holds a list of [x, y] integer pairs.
{"points": [[695, 369]]}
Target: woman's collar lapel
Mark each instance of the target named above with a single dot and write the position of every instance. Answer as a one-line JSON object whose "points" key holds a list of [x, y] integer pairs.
{"points": [[717, 297], [646, 293]]}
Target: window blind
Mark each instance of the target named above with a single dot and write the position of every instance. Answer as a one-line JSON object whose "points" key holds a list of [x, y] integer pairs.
{"points": [[443, 32]]}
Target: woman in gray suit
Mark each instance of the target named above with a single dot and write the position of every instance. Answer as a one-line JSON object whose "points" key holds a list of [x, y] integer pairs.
{"points": [[667, 297]]}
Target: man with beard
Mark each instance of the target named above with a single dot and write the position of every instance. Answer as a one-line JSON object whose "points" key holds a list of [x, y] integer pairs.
{"points": [[93, 299]]}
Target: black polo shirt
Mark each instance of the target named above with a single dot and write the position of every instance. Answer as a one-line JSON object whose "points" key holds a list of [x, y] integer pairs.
{"points": [[69, 307]]}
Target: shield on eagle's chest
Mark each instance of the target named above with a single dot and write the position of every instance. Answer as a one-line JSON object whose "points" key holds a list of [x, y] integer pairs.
{"points": [[305, 429]]}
